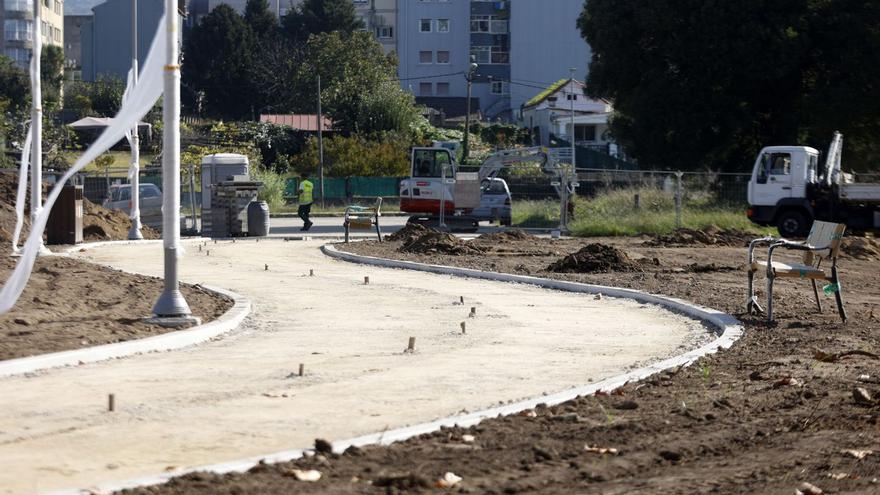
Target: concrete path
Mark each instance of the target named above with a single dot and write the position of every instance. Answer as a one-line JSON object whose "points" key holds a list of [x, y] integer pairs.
{"points": [[239, 396]]}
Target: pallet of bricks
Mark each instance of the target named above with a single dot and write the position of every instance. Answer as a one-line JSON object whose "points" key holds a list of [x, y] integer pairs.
{"points": [[228, 213]]}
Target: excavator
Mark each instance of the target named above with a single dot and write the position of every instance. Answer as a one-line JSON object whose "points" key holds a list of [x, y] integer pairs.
{"points": [[439, 195]]}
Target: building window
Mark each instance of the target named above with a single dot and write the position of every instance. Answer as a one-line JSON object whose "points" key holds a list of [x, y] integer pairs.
{"points": [[442, 56], [57, 35], [426, 57], [490, 55], [443, 89], [425, 89], [500, 87], [442, 25], [21, 56], [489, 24], [57, 7], [584, 132], [17, 30], [425, 25], [19, 6], [47, 4], [385, 32]]}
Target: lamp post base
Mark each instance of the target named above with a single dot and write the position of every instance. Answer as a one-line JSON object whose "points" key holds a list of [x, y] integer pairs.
{"points": [[174, 321]]}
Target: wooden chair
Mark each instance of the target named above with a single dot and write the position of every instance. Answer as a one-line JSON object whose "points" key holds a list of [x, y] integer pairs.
{"points": [[822, 243], [363, 218]]}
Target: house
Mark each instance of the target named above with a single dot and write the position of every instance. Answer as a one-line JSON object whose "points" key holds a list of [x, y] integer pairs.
{"points": [[549, 115]]}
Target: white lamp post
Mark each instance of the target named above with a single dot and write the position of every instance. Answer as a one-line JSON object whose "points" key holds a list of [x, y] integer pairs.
{"points": [[135, 232]]}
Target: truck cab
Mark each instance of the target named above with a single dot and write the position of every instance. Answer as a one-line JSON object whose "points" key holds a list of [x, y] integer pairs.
{"points": [[778, 188], [790, 188]]}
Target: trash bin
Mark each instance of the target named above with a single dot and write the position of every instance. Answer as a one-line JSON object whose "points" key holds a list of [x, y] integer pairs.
{"points": [[65, 225], [258, 219]]}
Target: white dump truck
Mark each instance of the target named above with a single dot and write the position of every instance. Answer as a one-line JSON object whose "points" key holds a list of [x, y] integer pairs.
{"points": [[789, 189]]}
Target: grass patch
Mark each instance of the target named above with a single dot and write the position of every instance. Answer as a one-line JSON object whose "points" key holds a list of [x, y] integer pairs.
{"points": [[614, 213], [119, 165], [529, 213]]}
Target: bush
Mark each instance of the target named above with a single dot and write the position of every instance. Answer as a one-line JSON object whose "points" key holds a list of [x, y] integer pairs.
{"points": [[355, 156], [273, 187]]}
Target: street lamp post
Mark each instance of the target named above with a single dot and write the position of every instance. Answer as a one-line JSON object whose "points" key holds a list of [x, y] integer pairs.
{"points": [[37, 123], [171, 307], [469, 77]]}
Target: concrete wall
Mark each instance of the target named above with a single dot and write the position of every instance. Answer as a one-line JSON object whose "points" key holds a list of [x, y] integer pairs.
{"points": [[73, 38], [106, 41], [545, 42], [411, 41]]}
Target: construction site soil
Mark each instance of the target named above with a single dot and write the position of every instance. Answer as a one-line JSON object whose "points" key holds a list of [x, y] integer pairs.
{"points": [[70, 304], [792, 407]]}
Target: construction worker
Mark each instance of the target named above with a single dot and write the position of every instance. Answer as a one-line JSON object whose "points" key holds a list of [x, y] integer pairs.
{"points": [[306, 199]]}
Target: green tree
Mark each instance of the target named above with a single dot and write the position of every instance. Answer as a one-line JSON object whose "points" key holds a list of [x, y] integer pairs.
{"points": [[215, 67], [51, 76], [706, 84], [100, 98], [320, 16], [14, 85]]}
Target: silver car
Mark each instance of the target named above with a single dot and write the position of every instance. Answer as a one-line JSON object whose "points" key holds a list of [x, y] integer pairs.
{"points": [[150, 202]]}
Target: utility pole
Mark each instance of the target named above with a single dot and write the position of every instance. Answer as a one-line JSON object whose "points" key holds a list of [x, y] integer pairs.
{"points": [[37, 123], [320, 144], [469, 77], [571, 101], [135, 214], [171, 307]]}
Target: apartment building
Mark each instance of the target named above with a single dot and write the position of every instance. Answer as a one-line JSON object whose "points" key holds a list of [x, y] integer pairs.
{"points": [[520, 46], [16, 39], [380, 18]]}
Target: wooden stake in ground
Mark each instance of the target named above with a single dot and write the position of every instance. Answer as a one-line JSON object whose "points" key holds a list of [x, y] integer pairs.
{"points": [[311, 272], [111, 402], [461, 299], [473, 312], [411, 347], [267, 268], [463, 328], [302, 369], [366, 280]]}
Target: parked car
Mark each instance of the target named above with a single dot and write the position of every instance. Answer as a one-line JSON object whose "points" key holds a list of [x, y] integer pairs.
{"points": [[150, 202]]}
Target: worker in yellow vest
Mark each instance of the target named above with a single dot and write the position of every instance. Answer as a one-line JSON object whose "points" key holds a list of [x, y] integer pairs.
{"points": [[306, 198]]}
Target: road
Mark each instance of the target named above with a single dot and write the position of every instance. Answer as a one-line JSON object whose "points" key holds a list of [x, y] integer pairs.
{"points": [[331, 227], [239, 396]]}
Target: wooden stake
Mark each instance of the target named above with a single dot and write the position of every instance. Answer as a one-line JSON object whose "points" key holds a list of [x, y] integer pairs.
{"points": [[311, 272], [302, 369], [412, 344], [463, 327], [473, 311], [461, 299], [111, 402], [366, 280], [267, 268], [200, 248], [208, 253]]}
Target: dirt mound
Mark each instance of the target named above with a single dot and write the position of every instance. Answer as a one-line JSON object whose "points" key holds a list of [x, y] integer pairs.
{"points": [[861, 248], [433, 241], [101, 224], [708, 237], [513, 235], [595, 258], [409, 232]]}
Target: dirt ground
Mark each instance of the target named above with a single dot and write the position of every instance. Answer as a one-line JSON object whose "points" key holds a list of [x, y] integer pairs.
{"points": [[69, 304], [792, 407]]}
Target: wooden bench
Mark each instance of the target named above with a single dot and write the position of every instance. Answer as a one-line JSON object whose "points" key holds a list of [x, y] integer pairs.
{"points": [[363, 218], [822, 243]]}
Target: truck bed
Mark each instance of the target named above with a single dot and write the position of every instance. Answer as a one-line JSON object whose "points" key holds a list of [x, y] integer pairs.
{"points": [[868, 192]]}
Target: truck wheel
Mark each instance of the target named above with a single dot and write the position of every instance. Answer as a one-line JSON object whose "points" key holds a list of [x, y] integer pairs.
{"points": [[792, 223]]}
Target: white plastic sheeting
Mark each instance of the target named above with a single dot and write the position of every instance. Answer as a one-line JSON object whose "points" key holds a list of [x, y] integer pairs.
{"points": [[134, 164], [139, 102], [21, 194]]}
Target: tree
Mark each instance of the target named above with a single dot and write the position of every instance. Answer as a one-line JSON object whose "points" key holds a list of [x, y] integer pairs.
{"points": [[51, 75], [14, 85], [706, 84], [216, 57], [320, 16]]}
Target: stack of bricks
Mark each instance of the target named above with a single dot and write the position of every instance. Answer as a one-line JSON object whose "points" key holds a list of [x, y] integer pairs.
{"points": [[229, 202]]}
